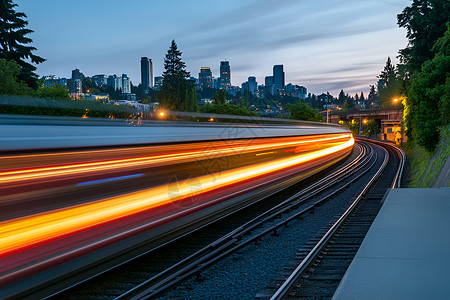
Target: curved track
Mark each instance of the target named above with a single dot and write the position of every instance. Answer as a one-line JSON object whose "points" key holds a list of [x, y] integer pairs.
{"points": [[319, 273]]}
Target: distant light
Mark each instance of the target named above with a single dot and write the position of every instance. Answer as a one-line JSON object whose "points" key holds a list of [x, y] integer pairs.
{"points": [[365, 121], [211, 119], [162, 114], [395, 100]]}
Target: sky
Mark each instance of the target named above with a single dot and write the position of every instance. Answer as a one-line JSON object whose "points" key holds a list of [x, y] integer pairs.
{"points": [[324, 45]]}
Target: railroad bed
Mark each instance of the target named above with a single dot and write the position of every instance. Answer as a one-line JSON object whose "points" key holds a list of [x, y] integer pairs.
{"points": [[236, 256]]}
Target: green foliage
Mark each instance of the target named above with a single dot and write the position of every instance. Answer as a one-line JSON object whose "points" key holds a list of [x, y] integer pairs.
{"points": [[220, 97], [14, 41], [173, 91], [389, 84], [372, 127], [61, 107], [54, 92], [302, 111], [226, 109], [425, 166], [425, 22], [10, 82], [191, 104], [428, 102]]}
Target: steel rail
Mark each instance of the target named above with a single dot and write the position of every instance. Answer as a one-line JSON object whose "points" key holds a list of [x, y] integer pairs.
{"points": [[234, 240], [311, 256]]}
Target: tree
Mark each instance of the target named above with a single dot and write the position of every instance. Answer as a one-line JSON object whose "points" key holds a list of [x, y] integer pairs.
{"points": [[302, 111], [220, 97], [10, 82], [428, 101], [389, 84], [191, 104], [373, 96], [53, 92], [425, 22], [227, 109], [361, 98], [175, 80], [14, 41]]}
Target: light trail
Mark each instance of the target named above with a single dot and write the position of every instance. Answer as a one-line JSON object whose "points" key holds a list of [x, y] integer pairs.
{"points": [[55, 172], [27, 231]]}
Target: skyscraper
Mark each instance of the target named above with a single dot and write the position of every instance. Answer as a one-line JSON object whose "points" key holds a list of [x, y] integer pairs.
{"points": [[225, 75], [278, 79], [205, 77], [146, 72], [268, 85], [252, 84]]}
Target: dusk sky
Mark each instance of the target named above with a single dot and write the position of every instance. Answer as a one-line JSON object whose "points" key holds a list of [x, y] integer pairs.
{"points": [[324, 45]]}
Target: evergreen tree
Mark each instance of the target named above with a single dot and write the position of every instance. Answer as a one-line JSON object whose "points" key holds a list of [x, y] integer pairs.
{"points": [[175, 80], [191, 104], [361, 98], [425, 21], [341, 98], [372, 98], [389, 84], [14, 42], [220, 97]]}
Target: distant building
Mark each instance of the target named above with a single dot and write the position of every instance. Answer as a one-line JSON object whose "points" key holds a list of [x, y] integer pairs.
{"points": [[126, 84], [100, 80], [76, 74], [245, 87], [128, 96], [74, 86], [146, 72], [53, 80], [193, 81], [114, 82], [225, 75], [268, 85], [252, 84], [296, 91], [100, 97], [278, 79], [158, 82], [205, 78]]}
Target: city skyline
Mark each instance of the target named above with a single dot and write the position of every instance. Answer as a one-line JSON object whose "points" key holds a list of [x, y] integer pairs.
{"points": [[326, 46]]}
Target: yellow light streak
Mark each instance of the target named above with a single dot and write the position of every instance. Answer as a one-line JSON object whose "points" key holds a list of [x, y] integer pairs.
{"points": [[50, 172], [30, 230]]}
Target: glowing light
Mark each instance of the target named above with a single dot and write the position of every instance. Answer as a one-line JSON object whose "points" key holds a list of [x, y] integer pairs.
{"points": [[211, 119], [162, 114], [76, 170], [26, 231]]}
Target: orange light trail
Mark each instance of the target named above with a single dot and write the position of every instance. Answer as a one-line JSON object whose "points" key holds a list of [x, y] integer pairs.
{"points": [[18, 233], [45, 173]]}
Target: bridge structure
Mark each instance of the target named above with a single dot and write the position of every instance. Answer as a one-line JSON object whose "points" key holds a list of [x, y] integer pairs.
{"points": [[390, 119]]}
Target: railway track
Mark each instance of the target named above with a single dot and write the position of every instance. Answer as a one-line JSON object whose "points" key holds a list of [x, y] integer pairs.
{"points": [[322, 267], [151, 274]]}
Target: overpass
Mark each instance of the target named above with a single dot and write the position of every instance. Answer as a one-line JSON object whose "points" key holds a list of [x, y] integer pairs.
{"points": [[390, 120]]}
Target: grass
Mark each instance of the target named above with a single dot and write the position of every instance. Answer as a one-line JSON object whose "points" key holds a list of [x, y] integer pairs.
{"points": [[425, 166]]}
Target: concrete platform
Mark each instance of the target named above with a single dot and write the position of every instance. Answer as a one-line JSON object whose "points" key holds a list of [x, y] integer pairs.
{"points": [[406, 253]]}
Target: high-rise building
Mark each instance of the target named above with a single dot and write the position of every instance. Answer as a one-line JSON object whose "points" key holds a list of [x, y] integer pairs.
{"points": [[225, 75], [278, 79], [268, 85], [99, 80], [126, 84], [76, 74], [115, 82], [252, 84], [74, 86], [205, 78], [146, 72], [158, 82]]}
